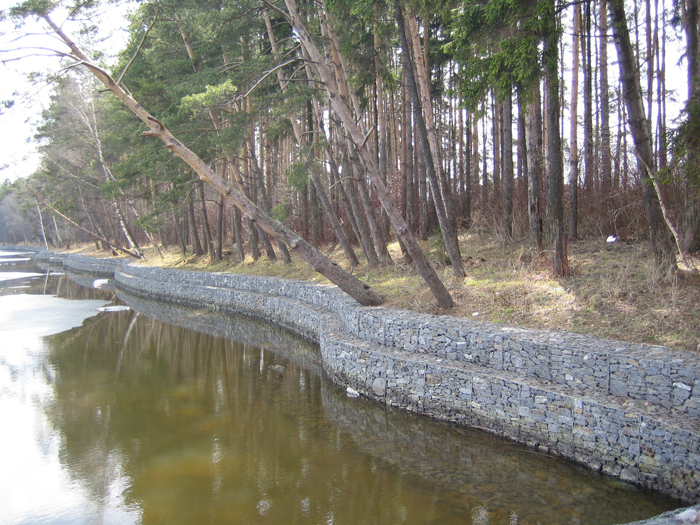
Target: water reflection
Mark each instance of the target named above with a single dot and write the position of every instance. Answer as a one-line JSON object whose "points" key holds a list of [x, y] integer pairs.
{"points": [[35, 485], [162, 414]]}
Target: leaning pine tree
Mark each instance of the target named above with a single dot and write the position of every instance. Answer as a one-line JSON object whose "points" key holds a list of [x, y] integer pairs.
{"points": [[358, 290]]}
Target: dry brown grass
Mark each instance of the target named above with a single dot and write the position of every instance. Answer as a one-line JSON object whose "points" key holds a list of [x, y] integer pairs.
{"points": [[614, 291]]}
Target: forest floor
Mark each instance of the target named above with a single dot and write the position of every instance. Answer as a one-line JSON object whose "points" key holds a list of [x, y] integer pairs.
{"points": [[614, 290]]}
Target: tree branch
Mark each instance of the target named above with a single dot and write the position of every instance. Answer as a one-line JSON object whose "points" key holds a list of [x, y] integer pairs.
{"points": [[267, 74], [139, 47], [664, 212], [65, 218]]}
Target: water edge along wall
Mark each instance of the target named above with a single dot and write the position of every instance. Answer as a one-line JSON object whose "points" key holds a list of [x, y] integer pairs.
{"points": [[628, 410]]}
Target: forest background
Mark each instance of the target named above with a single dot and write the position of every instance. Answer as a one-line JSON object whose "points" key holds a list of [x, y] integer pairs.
{"points": [[469, 158]]}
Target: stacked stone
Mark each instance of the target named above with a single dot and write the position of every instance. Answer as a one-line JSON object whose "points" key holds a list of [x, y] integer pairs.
{"points": [[628, 410]]}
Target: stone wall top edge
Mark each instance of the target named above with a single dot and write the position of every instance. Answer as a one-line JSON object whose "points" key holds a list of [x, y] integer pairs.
{"points": [[263, 284], [19, 248], [577, 343], [336, 301]]}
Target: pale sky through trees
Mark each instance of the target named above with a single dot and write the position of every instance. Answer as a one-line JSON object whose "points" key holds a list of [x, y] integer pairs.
{"points": [[18, 157]]}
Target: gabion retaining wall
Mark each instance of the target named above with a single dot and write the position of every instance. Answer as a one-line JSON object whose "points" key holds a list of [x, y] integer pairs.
{"points": [[553, 391], [628, 410]]}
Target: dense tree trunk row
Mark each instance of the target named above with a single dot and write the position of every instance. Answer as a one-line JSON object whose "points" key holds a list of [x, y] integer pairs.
{"points": [[292, 141]]}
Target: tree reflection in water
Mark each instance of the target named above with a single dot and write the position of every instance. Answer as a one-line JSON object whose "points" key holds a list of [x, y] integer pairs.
{"points": [[236, 423]]}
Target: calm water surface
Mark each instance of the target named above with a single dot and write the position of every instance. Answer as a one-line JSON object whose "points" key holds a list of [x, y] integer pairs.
{"points": [[166, 415]]}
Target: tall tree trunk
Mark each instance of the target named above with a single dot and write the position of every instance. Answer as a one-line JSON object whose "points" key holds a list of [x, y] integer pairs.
{"points": [[496, 127], [440, 198], [661, 89], [125, 229], [484, 163], [535, 161], [265, 203], [605, 153], [474, 145], [466, 206], [238, 232], [424, 103], [333, 219], [691, 22], [196, 243], [220, 229], [373, 221], [407, 155], [421, 182], [555, 174], [522, 151], [629, 76], [181, 230], [253, 239], [508, 174], [363, 229], [573, 159], [347, 282], [587, 55], [206, 229], [58, 234], [358, 137], [41, 223], [321, 189]]}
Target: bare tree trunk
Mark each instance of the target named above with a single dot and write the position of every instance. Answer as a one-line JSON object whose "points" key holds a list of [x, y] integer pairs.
{"points": [[359, 138], [253, 239], [691, 22], [58, 235], [372, 220], [101, 238], [407, 156], [41, 223], [238, 232], [196, 244], [629, 75], [508, 174], [363, 229], [423, 204], [440, 198], [325, 201], [522, 150], [265, 204], [465, 144], [586, 53], [661, 89], [125, 229], [605, 153], [573, 160], [220, 229], [535, 160], [333, 219], [181, 230], [353, 214], [484, 164], [474, 145], [206, 230], [497, 123], [555, 175]]}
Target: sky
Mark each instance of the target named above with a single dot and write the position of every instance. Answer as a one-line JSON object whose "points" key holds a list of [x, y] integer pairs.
{"points": [[18, 157]]}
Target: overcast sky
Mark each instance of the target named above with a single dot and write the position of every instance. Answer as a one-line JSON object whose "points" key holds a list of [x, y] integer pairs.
{"points": [[18, 156]]}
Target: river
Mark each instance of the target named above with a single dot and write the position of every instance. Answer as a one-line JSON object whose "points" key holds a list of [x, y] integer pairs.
{"points": [[152, 414]]}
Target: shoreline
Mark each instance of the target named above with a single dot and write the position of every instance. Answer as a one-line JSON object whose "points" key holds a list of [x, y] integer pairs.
{"points": [[630, 411]]}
